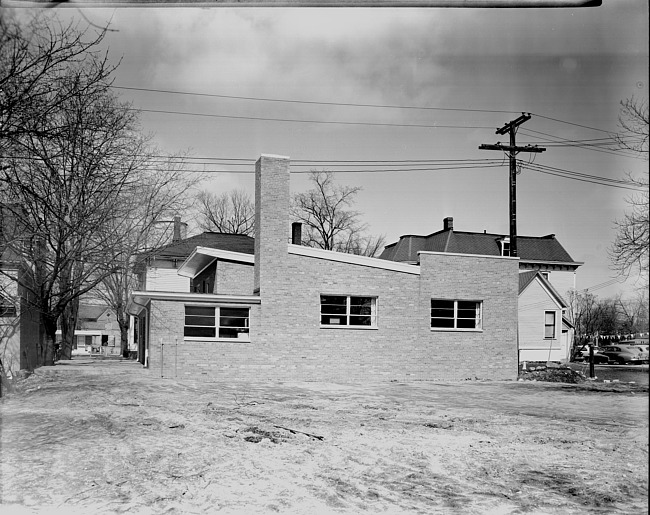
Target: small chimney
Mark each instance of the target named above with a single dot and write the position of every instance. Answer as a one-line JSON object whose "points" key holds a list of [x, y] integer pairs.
{"points": [[296, 233], [448, 224], [177, 229]]}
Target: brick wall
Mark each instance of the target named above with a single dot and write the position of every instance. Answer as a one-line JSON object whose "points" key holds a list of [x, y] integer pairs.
{"points": [[234, 278]]}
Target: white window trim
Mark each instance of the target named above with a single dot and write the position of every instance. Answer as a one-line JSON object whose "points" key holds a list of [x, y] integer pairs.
{"points": [[373, 317], [502, 244], [555, 320], [217, 313], [456, 329]]}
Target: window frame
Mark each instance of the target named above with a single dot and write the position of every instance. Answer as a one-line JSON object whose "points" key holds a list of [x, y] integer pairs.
{"points": [[216, 323], [8, 309], [348, 312], [505, 247], [478, 327], [554, 325]]}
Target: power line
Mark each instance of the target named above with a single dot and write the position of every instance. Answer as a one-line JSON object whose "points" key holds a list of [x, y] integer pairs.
{"points": [[330, 164], [349, 104], [375, 166], [310, 102], [571, 123], [601, 285], [564, 142], [375, 170], [295, 120], [602, 181]]}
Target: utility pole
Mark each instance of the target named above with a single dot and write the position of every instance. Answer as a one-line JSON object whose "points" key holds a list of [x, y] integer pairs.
{"points": [[513, 150]]}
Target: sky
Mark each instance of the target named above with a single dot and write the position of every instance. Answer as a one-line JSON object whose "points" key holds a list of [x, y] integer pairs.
{"points": [[467, 71]]}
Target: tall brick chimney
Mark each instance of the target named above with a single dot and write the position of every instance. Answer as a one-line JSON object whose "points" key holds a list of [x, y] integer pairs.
{"points": [[448, 224], [271, 220]]}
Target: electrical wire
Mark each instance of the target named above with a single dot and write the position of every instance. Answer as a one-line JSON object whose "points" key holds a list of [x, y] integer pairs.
{"points": [[571, 123], [312, 102], [593, 179], [296, 120], [619, 152]]}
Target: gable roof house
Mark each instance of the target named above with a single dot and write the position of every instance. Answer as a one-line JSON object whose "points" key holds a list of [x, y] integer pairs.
{"points": [[546, 268], [289, 312], [157, 269], [97, 331], [545, 332]]}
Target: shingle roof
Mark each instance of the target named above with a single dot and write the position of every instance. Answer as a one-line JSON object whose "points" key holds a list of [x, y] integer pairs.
{"points": [[530, 248], [216, 240], [90, 311], [525, 278]]}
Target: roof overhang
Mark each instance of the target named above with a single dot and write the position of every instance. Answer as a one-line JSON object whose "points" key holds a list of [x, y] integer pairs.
{"points": [[572, 264], [139, 300], [459, 254], [202, 257], [353, 259]]}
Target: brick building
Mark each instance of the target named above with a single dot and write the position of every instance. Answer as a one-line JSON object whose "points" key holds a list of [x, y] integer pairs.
{"points": [[295, 313]]}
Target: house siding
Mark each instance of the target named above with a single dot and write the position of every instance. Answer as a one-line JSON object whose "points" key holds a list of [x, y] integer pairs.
{"points": [[166, 279], [534, 301], [10, 326], [20, 336]]}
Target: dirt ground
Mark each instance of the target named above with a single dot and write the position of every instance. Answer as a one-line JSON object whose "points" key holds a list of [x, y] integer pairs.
{"points": [[110, 437]]}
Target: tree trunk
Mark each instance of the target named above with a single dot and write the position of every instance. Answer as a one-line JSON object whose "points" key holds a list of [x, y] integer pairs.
{"points": [[68, 325], [124, 334], [47, 346]]}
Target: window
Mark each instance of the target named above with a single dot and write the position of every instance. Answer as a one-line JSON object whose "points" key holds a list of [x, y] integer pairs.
{"points": [[7, 308], [209, 321], [456, 314], [344, 310], [504, 244], [549, 324]]}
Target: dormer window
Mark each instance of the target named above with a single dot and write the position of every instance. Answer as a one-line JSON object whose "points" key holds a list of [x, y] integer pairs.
{"points": [[505, 246]]}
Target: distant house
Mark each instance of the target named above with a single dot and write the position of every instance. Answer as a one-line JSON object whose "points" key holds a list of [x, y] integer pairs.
{"points": [[97, 331], [545, 333], [288, 312], [157, 269]]}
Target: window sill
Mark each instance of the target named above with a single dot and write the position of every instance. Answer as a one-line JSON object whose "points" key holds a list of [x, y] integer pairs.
{"points": [[452, 330], [216, 340], [351, 327]]}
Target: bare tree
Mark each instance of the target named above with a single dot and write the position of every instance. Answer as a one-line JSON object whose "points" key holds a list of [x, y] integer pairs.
{"points": [[164, 189], [629, 252], [633, 122], [632, 313], [33, 56], [63, 174], [230, 213], [330, 223]]}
